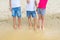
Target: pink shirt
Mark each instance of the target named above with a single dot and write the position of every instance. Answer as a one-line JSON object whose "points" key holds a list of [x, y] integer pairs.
{"points": [[42, 3]]}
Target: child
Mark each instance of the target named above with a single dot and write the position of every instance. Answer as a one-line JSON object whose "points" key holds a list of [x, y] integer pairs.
{"points": [[16, 11], [31, 12], [41, 12]]}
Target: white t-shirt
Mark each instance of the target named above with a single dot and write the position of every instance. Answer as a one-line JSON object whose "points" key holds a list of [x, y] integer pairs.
{"points": [[15, 3], [30, 6]]}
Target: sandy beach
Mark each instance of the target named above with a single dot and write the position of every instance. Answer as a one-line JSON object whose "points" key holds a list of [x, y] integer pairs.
{"points": [[52, 23], [51, 32]]}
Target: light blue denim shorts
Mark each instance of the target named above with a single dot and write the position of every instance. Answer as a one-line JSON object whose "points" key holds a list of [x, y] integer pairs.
{"points": [[16, 12], [41, 11]]}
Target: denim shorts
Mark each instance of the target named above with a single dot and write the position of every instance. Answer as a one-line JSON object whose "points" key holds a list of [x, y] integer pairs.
{"points": [[41, 11], [16, 12], [31, 13]]}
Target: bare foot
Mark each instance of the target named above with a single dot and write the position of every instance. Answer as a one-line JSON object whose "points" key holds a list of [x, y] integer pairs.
{"points": [[19, 26], [14, 26], [39, 27], [42, 27]]}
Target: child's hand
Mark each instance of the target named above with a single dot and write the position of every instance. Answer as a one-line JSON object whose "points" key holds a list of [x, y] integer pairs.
{"points": [[28, 1], [36, 9]]}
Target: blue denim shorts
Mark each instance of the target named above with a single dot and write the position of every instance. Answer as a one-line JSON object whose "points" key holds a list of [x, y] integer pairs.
{"points": [[16, 12], [31, 13], [41, 11]]}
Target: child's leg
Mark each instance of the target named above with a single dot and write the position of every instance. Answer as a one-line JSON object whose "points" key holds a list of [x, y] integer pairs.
{"points": [[42, 17], [29, 18], [19, 16], [35, 23], [14, 22], [39, 17], [34, 18], [14, 17], [19, 22], [29, 21], [39, 20], [42, 26]]}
